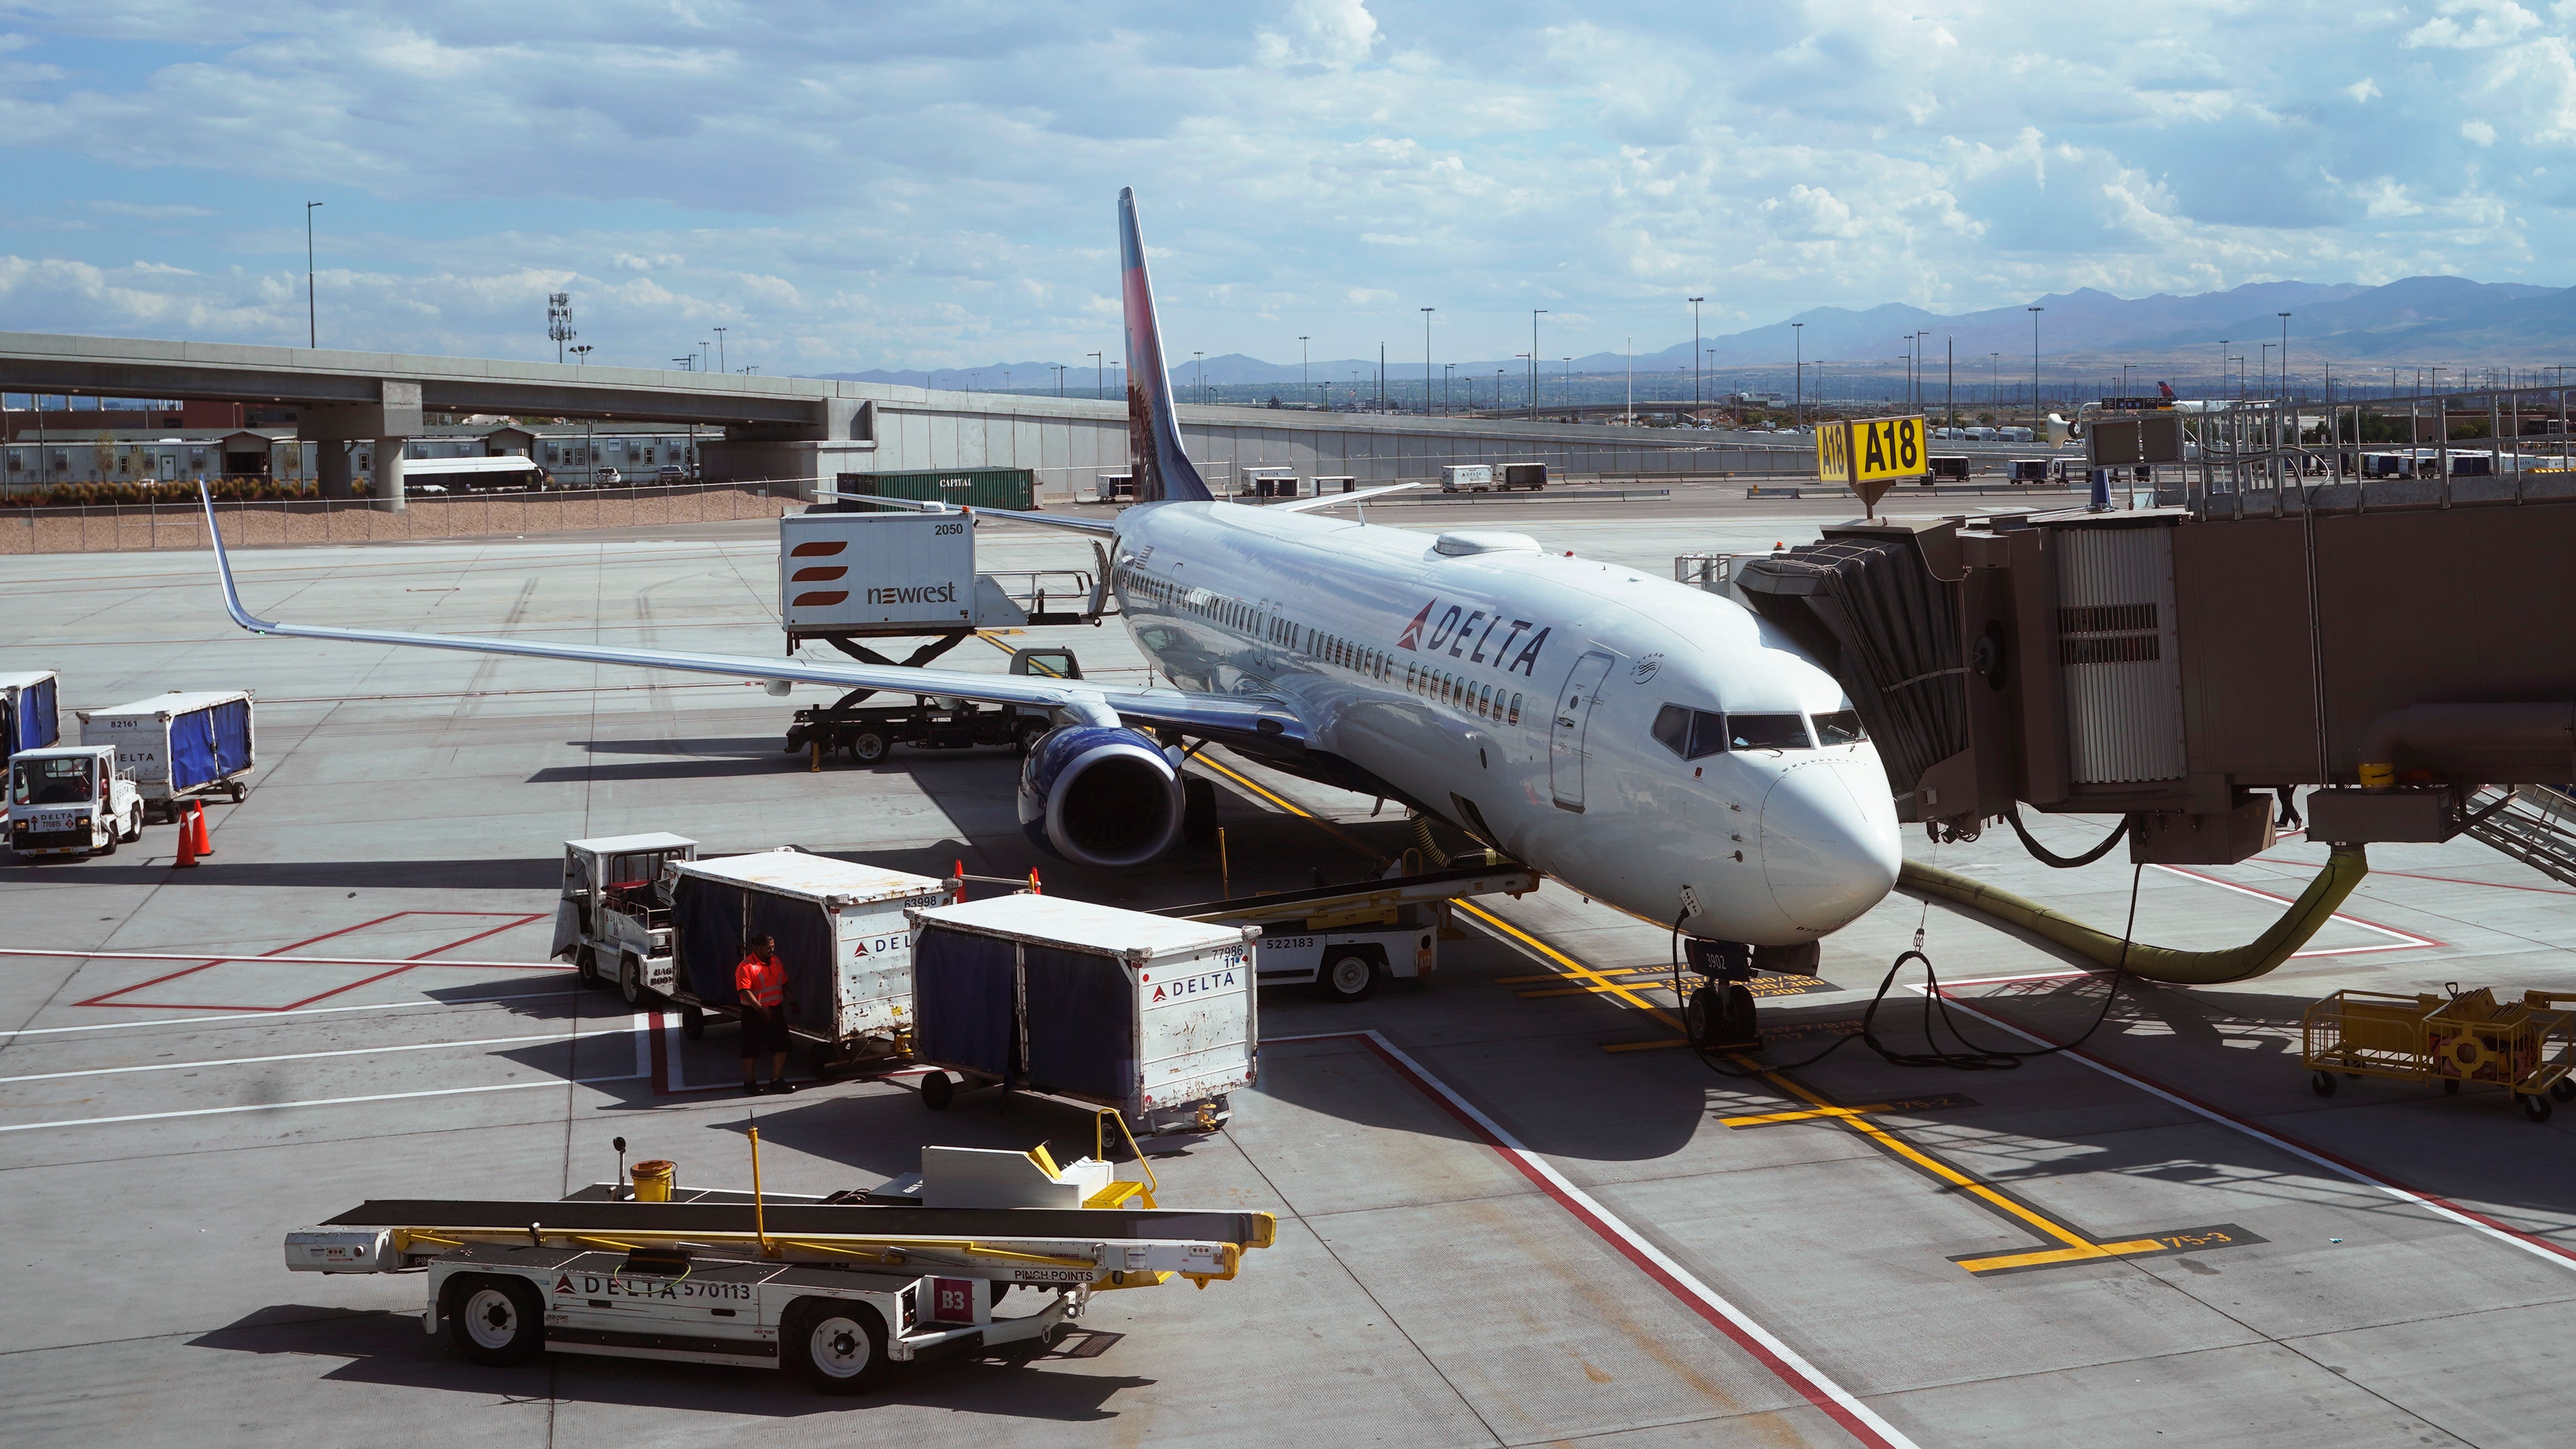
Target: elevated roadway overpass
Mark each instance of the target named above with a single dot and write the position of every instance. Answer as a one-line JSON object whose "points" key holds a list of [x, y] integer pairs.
{"points": [[800, 429]]}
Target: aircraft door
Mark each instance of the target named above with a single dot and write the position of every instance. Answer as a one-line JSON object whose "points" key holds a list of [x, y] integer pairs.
{"points": [[1565, 731]]}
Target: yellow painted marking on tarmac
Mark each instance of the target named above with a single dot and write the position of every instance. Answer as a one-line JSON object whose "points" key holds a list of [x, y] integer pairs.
{"points": [[1553, 976], [1810, 1114], [1877, 1136], [2051, 1257]]}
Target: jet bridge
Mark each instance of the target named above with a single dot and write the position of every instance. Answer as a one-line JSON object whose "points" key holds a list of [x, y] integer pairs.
{"points": [[2401, 648]]}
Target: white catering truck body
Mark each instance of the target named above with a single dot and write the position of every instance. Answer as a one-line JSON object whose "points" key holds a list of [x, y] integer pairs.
{"points": [[871, 570]]}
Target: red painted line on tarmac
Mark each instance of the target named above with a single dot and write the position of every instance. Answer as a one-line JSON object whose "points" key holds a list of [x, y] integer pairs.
{"points": [[1836, 1402], [399, 965], [2297, 1147]]}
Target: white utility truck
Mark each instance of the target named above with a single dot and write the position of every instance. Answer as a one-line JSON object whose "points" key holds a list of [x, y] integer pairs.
{"points": [[1345, 940], [836, 1288], [72, 800], [612, 922]]}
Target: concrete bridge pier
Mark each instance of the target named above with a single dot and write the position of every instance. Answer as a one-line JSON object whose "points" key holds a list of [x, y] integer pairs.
{"points": [[386, 426]]}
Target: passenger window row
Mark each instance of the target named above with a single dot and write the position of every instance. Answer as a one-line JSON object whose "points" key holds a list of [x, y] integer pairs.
{"points": [[1481, 700]]}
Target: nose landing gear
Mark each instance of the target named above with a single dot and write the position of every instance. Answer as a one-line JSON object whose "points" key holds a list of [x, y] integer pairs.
{"points": [[1718, 1015]]}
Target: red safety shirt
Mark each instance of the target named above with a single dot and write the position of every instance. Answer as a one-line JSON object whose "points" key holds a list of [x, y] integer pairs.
{"points": [[765, 977]]}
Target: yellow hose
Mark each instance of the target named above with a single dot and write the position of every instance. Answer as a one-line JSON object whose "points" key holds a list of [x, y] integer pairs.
{"points": [[2344, 869]]}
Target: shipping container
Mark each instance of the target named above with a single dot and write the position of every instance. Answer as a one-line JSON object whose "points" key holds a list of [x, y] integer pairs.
{"points": [[841, 933], [179, 746], [957, 487], [1532, 476], [1472, 477], [30, 717], [1150, 1016]]}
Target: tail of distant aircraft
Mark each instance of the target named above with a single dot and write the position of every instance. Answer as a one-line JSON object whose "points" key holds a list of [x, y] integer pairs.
{"points": [[1162, 470], [2165, 390]]}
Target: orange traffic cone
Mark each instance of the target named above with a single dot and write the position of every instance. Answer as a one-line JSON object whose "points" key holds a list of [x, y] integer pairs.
{"points": [[960, 873], [187, 844], [197, 823], [1033, 882]]}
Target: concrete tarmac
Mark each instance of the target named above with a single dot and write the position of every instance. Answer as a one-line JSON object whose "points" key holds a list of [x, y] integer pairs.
{"points": [[1511, 1212]]}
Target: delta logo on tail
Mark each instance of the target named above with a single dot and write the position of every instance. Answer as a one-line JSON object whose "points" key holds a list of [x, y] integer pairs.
{"points": [[1459, 631]]}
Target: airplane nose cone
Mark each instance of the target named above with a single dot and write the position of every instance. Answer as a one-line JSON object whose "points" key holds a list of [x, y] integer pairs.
{"points": [[1829, 841]]}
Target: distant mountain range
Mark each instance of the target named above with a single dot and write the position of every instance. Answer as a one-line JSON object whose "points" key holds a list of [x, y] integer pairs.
{"points": [[2418, 322]]}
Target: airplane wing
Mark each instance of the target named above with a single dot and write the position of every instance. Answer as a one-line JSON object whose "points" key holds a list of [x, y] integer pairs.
{"points": [[1257, 721], [1327, 500]]}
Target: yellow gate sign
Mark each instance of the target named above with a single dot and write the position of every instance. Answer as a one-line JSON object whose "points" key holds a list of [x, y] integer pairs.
{"points": [[1871, 453]]}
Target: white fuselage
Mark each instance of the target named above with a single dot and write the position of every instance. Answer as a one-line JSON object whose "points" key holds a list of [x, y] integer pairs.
{"points": [[1517, 693]]}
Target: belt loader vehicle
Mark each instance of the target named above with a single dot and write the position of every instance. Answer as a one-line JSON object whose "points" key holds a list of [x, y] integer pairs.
{"points": [[838, 1288]]}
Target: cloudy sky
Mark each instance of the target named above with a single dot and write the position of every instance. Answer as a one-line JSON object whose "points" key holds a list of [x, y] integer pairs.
{"points": [[844, 187]]}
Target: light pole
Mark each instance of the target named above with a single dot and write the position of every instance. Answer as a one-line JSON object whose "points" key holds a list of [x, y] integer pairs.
{"points": [[2036, 430], [704, 345], [1099, 379], [312, 318], [1426, 359], [1301, 363], [720, 357], [1535, 314], [1798, 383], [1201, 363], [1446, 369], [2285, 353], [580, 354], [1569, 385], [1994, 380], [2267, 364], [1695, 359]]}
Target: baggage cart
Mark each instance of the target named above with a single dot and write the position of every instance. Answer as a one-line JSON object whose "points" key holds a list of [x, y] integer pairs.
{"points": [[30, 711], [842, 934], [2528, 1047], [179, 746], [1151, 1017]]}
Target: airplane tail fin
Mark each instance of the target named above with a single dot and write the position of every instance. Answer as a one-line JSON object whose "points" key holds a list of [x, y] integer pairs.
{"points": [[1162, 469], [2164, 389]]}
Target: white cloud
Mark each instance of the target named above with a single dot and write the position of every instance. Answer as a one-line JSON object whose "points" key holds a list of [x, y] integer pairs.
{"points": [[845, 189]]}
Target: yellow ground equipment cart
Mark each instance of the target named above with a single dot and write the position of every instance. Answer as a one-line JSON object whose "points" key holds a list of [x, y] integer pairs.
{"points": [[2527, 1047]]}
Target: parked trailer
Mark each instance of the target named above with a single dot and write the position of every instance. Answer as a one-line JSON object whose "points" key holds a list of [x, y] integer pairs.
{"points": [[1532, 476], [179, 746], [30, 711], [612, 922], [1466, 477], [1152, 1017], [838, 1288], [841, 931]]}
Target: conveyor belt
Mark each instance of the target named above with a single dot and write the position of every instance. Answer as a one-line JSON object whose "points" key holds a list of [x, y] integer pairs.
{"points": [[795, 1220]]}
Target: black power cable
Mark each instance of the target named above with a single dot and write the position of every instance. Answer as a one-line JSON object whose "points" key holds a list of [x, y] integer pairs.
{"points": [[1970, 1058], [2012, 812]]}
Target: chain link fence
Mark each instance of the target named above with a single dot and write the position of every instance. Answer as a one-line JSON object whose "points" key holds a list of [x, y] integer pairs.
{"points": [[125, 527]]}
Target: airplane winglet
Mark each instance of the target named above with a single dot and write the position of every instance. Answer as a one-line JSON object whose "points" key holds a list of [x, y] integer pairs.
{"points": [[224, 570]]}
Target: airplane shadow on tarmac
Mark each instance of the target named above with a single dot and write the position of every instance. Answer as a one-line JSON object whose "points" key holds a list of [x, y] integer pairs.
{"points": [[390, 1349]]}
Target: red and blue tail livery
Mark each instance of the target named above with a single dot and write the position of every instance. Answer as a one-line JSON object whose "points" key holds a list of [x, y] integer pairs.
{"points": [[1162, 469]]}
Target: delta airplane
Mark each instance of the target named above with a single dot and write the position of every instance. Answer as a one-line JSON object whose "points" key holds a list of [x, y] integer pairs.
{"points": [[1646, 743]]}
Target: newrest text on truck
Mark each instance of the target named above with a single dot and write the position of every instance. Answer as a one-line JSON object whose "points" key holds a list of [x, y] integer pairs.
{"points": [[179, 746]]}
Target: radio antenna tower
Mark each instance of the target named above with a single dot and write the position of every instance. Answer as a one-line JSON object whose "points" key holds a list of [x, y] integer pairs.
{"points": [[559, 321]]}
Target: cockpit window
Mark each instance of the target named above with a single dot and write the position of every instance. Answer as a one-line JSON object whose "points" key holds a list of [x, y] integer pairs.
{"points": [[1690, 733], [1767, 732], [1842, 727]]}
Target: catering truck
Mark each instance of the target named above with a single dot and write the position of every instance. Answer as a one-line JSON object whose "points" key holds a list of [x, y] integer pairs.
{"points": [[29, 711], [71, 800], [841, 935], [179, 746]]}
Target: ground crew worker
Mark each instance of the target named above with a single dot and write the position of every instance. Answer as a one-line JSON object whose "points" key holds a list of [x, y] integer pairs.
{"points": [[760, 986]]}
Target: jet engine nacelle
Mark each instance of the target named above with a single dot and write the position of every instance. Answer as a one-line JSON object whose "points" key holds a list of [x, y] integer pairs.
{"points": [[1100, 795]]}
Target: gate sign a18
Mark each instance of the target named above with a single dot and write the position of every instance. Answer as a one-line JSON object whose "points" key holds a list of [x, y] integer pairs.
{"points": [[1870, 453]]}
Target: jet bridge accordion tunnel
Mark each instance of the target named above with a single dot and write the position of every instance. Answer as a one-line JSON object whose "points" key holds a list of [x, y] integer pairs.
{"points": [[2176, 667]]}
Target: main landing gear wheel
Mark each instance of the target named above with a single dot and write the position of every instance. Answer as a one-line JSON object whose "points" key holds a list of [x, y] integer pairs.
{"points": [[630, 981], [938, 1090], [497, 1321], [1198, 812], [838, 1347], [868, 746]]}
